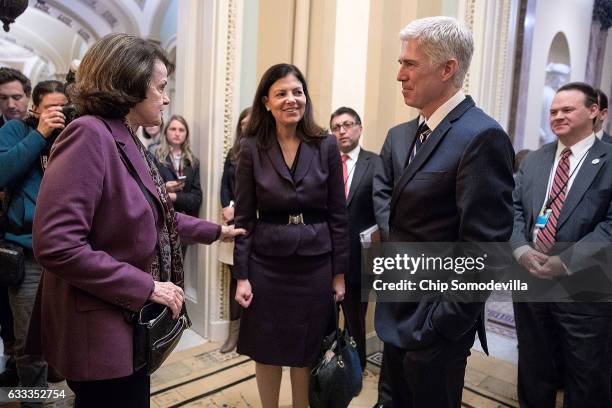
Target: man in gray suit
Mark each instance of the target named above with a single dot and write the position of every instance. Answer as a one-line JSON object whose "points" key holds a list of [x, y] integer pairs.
{"points": [[602, 102], [563, 221]]}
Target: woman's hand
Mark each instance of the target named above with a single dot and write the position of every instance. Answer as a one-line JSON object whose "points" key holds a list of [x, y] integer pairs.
{"points": [[172, 197], [228, 233], [228, 213], [338, 287], [52, 118], [174, 186], [168, 294], [244, 295]]}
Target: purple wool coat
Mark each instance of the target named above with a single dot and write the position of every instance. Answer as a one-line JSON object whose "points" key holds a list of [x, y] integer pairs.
{"points": [[94, 234]]}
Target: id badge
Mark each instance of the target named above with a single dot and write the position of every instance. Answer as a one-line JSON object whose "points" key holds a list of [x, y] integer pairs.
{"points": [[543, 218]]}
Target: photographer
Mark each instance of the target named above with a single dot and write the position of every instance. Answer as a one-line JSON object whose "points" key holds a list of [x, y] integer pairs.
{"points": [[24, 148]]}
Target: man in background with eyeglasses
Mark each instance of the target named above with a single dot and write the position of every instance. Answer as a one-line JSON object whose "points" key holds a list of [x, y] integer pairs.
{"points": [[358, 170]]}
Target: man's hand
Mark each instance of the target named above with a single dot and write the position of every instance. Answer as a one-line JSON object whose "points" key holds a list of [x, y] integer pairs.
{"points": [[533, 261], [52, 118], [244, 294], [554, 267], [228, 233], [168, 294]]}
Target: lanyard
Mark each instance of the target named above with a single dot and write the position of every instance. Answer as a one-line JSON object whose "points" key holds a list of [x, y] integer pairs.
{"points": [[551, 199]]}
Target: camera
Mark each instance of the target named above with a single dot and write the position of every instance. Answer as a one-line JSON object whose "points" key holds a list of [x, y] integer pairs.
{"points": [[69, 112]]}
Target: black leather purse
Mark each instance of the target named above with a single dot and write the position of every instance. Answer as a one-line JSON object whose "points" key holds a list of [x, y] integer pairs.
{"points": [[336, 377], [12, 264], [156, 334], [12, 259]]}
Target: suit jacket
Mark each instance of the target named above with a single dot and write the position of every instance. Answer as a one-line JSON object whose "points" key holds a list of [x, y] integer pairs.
{"points": [[606, 138], [189, 199], [394, 154], [584, 227], [264, 183], [457, 189], [360, 210], [95, 235]]}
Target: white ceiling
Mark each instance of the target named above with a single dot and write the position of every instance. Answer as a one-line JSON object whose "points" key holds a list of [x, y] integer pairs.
{"points": [[50, 34]]}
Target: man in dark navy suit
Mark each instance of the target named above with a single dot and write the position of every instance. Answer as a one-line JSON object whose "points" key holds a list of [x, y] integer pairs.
{"points": [[456, 187], [562, 224], [358, 167], [602, 102]]}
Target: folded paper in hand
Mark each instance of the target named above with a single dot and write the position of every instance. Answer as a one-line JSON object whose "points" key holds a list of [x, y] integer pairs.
{"points": [[369, 235]]}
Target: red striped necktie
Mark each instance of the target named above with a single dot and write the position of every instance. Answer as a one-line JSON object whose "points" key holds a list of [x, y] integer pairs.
{"points": [[546, 236], [345, 174]]}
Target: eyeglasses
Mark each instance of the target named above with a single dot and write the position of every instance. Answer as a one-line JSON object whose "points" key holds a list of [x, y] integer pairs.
{"points": [[345, 125]]}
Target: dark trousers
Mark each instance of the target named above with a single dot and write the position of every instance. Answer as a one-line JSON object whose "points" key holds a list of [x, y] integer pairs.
{"points": [[133, 391], [354, 315], [429, 378], [585, 343], [7, 332], [384, 388]]}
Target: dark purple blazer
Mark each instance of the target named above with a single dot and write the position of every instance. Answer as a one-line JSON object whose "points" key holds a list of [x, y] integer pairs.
{"points": [[264, 183], [94, 234]]}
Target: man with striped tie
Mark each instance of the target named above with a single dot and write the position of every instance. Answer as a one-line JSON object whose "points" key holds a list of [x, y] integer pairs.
{"points": [[563, 221]]}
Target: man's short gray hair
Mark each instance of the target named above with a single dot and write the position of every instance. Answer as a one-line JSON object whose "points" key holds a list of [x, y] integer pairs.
{"points": [[443, 39]]}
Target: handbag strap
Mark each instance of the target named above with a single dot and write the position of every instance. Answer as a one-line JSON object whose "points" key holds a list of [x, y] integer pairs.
{"points": [[336, 307]]}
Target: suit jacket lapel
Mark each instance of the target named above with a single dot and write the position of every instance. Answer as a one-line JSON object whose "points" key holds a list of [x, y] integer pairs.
{"points": [[360, 168], [128, 146], [582, 182], [540, 178], [427, 149], [278, 162], [307, 152], [406, 143]]}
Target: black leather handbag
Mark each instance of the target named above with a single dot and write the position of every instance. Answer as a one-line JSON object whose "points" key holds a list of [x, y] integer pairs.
{"points": [[12, 264], [336, 377], [156, 334]]}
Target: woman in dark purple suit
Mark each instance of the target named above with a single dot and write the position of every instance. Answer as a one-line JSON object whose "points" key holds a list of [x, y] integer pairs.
{"points": [[105, 230], [290, 198]]}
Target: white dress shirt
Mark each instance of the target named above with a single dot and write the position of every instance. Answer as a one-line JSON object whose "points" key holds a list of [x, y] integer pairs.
{"points": [[438, 116]]}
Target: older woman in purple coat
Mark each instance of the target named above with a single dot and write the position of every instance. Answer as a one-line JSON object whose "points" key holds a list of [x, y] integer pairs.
{"points": [[105, 230], [290, 197]]}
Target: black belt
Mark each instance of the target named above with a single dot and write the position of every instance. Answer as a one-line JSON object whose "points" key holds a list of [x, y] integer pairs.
{"points": [[305, 217]]}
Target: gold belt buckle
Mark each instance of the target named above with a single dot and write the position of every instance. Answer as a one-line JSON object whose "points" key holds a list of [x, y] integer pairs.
{"points": [[296, 219]]}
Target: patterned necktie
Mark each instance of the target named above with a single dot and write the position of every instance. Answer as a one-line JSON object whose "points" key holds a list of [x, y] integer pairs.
{"points": [[546, 236], [423, 133], [345, 174]]}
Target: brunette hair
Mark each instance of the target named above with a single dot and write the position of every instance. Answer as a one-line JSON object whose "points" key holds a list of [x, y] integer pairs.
{"points": [[235, 150], [262, 124], [10, 74], [115, 74], [46, 87]]}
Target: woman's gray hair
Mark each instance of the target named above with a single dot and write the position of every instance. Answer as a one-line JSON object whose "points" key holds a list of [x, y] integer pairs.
{"points": [[442, 39]]}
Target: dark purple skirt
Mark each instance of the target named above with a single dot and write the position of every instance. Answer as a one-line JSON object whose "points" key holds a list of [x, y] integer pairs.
{"points": [[291, 310]]}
